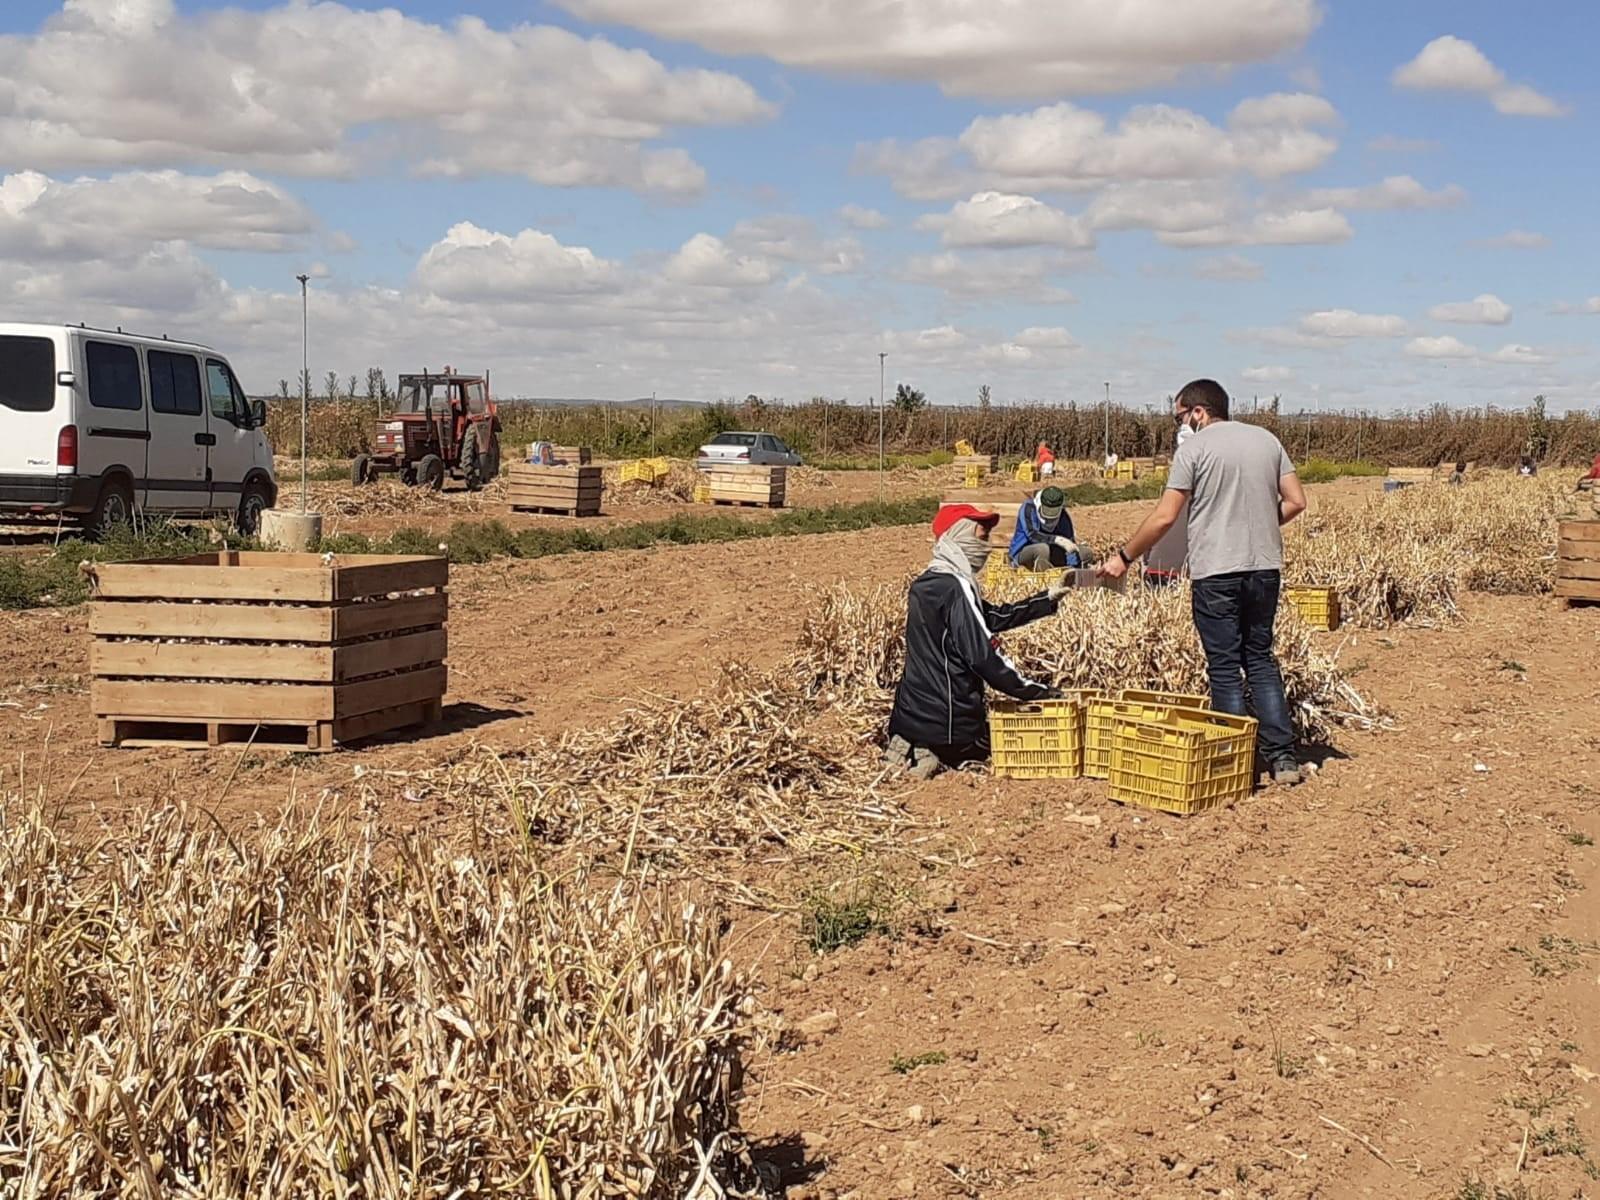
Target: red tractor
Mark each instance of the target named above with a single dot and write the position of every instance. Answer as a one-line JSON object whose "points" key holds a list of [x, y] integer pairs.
{"points": [[442, 423]]}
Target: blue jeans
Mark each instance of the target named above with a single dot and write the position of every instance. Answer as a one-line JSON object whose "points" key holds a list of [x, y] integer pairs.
{"points": [[1234, 615]]}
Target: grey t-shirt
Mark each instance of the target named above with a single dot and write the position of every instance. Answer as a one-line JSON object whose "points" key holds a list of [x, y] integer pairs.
{"points": [[1231, 472]]}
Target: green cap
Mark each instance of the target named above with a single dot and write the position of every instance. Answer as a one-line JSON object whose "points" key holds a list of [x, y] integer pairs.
{"points": [[1051, 501]]}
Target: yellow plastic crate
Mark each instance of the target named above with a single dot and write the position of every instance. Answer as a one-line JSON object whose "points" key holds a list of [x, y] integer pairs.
{"points": [[702, 493], [1025, 472], [1036, 739], [1103, 710], [1185, 762], [1318, 606], [998, 572], [645, 470], [974, 475], [964, 447], [1125, 469]]}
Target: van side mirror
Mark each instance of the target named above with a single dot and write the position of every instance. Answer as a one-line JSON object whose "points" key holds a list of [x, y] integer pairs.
{"points": [[66, 379], [258, 414]]}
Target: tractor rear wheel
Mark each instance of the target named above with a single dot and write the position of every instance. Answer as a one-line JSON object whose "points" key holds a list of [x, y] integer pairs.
{"points": [[430, 472], [472, 460], [491, 462]]}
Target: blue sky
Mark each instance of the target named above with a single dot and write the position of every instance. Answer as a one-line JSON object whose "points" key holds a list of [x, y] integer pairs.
{"points": [[1353, 205]]}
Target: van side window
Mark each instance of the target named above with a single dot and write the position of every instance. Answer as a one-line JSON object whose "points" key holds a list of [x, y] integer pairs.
{"points": [[114, 380], [174, 383], [219, 382], [27, 374]]}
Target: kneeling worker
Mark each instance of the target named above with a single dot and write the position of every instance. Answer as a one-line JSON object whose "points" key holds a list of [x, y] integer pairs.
{"points": [[1044, 536], [940, 716]]}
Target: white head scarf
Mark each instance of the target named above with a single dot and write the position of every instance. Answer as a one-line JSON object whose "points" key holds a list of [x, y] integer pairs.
{"points": [[960, 551]]}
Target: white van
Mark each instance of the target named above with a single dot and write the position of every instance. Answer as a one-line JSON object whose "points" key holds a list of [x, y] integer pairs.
{"points": [[96, 424]]}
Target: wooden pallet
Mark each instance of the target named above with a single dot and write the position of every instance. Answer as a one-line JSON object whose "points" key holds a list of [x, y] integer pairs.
{"points": [[1578, 563], [317, 737], [727, 503], [293, 649]]}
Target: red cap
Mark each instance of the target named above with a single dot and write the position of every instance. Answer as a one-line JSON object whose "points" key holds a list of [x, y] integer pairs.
{"points": [[949, 514]]}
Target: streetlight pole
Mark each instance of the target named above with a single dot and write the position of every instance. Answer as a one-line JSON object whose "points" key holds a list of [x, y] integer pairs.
{"points": [[305, 384], [1108, 419], [881, 403]]}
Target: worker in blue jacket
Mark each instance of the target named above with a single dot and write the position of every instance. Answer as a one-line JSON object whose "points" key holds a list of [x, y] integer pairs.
{"points": [[1044, 536]]}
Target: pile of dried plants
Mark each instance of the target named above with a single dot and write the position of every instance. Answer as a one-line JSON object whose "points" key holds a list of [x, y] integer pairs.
{"points": [[1408, 556], [853, 648], [751, 766], [305, 1011]]}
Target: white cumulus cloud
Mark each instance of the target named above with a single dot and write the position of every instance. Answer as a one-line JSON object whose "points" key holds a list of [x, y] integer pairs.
{"points": [[1346, 323], [1453, 64], [324, 89], [1296, 227], [471, 262], [42, 217], [1486, 309], [997, 219], [1516, 239], [1268, 374], [1440, 347], [857, 217], [707, 261], [972, 47], [1395, 192]]}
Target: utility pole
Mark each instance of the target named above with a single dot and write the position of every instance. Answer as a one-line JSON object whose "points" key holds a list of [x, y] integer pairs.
{"points": [[652, 424], [1108, 419], [305, 383], [881, 404]]}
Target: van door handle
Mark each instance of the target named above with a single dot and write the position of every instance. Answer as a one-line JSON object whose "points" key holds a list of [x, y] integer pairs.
{"points": [[205, 439]]}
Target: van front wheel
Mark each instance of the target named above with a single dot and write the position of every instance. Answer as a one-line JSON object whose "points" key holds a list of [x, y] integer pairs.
{"points": [[113, 508], [251, 505]]}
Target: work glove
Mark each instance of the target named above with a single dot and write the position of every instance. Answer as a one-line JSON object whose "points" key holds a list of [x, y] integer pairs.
{"points": [[1066, 543], [1060, 587]]}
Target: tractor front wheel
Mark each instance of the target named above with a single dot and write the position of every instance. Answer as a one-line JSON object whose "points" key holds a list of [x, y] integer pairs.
{"points": [[430, 472], [361, 470]]}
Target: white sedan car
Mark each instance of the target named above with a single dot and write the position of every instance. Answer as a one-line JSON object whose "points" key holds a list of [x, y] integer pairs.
{"points": [[746, 450]]}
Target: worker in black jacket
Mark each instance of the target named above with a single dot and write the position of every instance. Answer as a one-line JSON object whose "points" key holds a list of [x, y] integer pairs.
{"points": [[940, 717]]}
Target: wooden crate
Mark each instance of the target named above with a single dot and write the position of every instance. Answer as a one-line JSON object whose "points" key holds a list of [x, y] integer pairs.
{"points": [[988, 464], [1578, 563], [571, 456], [764, 487], [1411, 474], [299, 650], [574, 491]]}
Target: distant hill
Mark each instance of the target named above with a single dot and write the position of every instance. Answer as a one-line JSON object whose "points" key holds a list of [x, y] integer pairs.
{"points": [[575, 401]]}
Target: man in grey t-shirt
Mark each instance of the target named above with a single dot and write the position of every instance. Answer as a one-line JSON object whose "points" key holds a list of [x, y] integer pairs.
{"points": [[1240, 488]]}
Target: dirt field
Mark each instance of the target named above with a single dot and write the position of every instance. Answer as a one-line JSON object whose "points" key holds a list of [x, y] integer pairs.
{"points": [[1372, 985]]}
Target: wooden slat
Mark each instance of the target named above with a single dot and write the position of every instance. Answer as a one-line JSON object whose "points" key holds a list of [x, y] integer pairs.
{"points": [[149, 581], [389, 654], [1577, 568], [1578, 589], [1585, 531], [171, 660], [553, 493], [212, 701], [353, 699], [1572, 548], [111, 618], [406, 575], [382, 616], [418, 712]]}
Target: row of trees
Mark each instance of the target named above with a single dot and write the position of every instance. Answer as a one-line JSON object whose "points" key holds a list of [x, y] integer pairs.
{"points": [[377, 391]]}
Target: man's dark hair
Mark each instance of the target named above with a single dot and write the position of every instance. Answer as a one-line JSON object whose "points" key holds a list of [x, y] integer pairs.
{"points": [[1206, 394]]}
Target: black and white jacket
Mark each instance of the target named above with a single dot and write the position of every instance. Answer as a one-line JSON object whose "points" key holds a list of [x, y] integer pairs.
{"points": [[951, 653]]}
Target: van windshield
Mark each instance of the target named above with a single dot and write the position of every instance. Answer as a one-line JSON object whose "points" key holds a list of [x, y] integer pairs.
{"points": [[27, 374]]}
